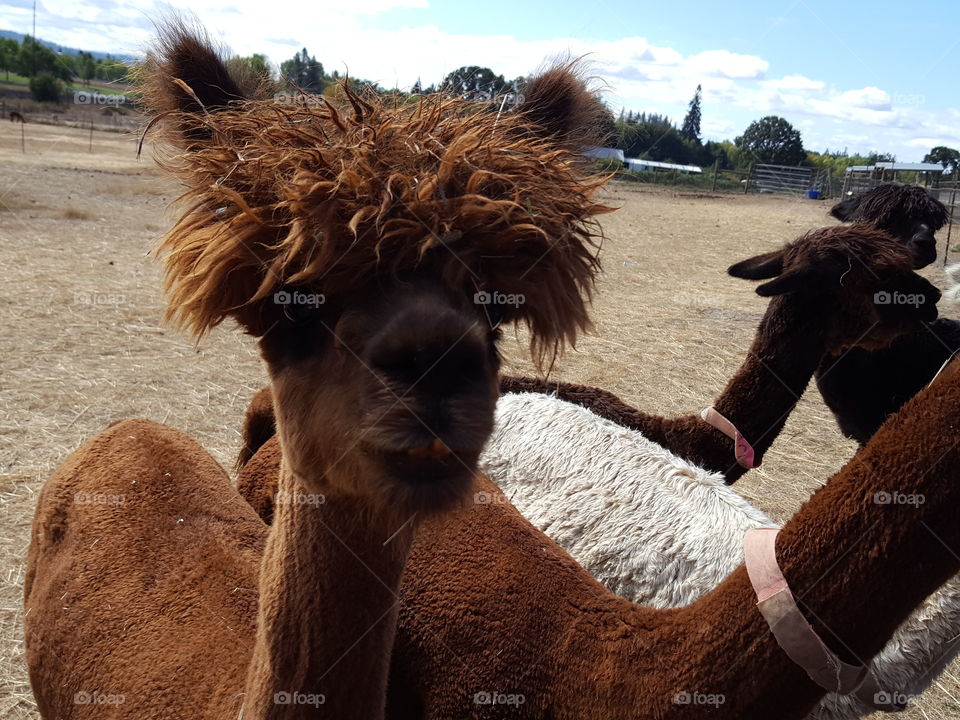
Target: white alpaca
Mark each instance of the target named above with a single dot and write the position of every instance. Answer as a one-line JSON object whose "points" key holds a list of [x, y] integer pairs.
{"points": [[953, 273], [660, 531]]}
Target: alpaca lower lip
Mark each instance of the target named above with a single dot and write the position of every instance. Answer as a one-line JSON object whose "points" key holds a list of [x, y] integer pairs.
{"points": [[426, 464]]}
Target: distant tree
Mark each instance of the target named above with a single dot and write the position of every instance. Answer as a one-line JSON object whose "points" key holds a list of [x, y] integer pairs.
{"points": [[86, 67], [874, 158], [303, 71], [46, 88], [474, 82], [111, 70], [772, 140], [947, 157], [35, 58], [253, 69], [690, 129], [9, 50]]}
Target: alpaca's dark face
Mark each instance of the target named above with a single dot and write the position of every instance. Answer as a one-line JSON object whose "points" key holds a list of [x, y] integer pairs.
{"points": [[393, 387], [906, 212], [855, 287]]}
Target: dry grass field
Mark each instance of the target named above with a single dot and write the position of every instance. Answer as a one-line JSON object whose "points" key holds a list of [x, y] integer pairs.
{"points": [[82, 341]]}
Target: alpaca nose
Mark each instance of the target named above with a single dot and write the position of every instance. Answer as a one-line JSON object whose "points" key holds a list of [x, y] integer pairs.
{"points": [[439, 352], [923, 246]]}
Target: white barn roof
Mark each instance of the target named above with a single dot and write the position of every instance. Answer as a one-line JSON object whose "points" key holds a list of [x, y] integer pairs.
{"points": [[662, 165], [919, 167], [604, 153]]}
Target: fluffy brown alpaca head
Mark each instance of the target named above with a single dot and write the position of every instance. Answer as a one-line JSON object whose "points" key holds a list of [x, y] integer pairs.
{"points": [[907, 212], [856, 284], [376, 250]]}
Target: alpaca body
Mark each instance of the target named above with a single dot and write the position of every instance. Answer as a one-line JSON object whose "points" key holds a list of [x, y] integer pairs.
{"points": [[651, 526], [177, 551], [533, 625], [863, 388], [660, 531]]}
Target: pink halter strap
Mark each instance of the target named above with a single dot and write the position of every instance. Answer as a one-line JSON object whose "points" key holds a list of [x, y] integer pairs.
{"points": [[795, 635], [742, 450]]}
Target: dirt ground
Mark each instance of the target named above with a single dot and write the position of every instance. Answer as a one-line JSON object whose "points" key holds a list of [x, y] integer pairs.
{"points": [[82, 342]]}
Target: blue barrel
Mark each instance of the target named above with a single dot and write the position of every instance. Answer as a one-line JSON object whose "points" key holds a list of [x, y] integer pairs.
{"points": [[813, 194]]}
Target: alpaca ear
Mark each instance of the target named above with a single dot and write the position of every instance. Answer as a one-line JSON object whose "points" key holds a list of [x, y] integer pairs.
{"points": [[559, 105], [761, 267], [846, 209], [185, 77], [790, 282]]}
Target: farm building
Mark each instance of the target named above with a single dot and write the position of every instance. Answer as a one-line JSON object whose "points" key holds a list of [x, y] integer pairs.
{"points": [[639, 165], [605, 153], [860, 178]]}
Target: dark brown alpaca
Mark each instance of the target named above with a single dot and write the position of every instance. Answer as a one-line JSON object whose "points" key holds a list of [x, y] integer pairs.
{"points": [[823, 303], [908, 212], [861, 387], [351, 243], [510, 618], [16, 117]]}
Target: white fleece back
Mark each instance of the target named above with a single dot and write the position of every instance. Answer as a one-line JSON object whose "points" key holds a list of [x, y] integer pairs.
{"points": [[660, 531]]}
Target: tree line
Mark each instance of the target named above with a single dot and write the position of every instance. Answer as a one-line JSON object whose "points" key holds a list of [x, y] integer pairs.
{"points": [[648, 135]]}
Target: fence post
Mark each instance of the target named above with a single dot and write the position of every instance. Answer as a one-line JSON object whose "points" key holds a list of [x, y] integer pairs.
{"points": [[746, 185], [716, 169]]}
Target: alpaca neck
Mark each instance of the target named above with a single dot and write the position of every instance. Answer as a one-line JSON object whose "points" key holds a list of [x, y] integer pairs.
{"points": [[785, 353], [328, 607], [857, 565]]}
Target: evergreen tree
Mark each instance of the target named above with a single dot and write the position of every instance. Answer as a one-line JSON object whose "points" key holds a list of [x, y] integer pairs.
{"points": [[690, 130]]}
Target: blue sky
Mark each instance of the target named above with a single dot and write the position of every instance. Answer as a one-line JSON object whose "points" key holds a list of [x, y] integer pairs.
{"points": [[862, 75]]}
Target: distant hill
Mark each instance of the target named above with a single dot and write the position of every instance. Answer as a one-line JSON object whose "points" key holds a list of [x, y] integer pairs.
{"points": [[69, 50]]}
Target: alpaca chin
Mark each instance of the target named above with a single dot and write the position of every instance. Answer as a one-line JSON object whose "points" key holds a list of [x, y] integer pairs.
{"points": [[421, 486]]}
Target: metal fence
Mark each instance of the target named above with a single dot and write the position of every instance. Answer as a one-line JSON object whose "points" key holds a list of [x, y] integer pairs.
{"points": [[780, 179]]}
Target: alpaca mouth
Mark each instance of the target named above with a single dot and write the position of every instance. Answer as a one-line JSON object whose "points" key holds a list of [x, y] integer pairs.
{"points": [[430, 464]]}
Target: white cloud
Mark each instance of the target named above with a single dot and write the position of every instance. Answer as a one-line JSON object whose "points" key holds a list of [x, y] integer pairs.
{"points": [[725, 64], [871, 98], [794, 82], [640, 74]]}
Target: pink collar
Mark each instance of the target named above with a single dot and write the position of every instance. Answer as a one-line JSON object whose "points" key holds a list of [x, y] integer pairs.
{"points": [[795, 635], [742, 450]]}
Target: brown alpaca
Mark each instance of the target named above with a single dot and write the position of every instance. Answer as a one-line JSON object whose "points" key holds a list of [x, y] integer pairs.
{"points": [[16, 117], [352, 245], [809, 311], [510, 619], [823, 305]]}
